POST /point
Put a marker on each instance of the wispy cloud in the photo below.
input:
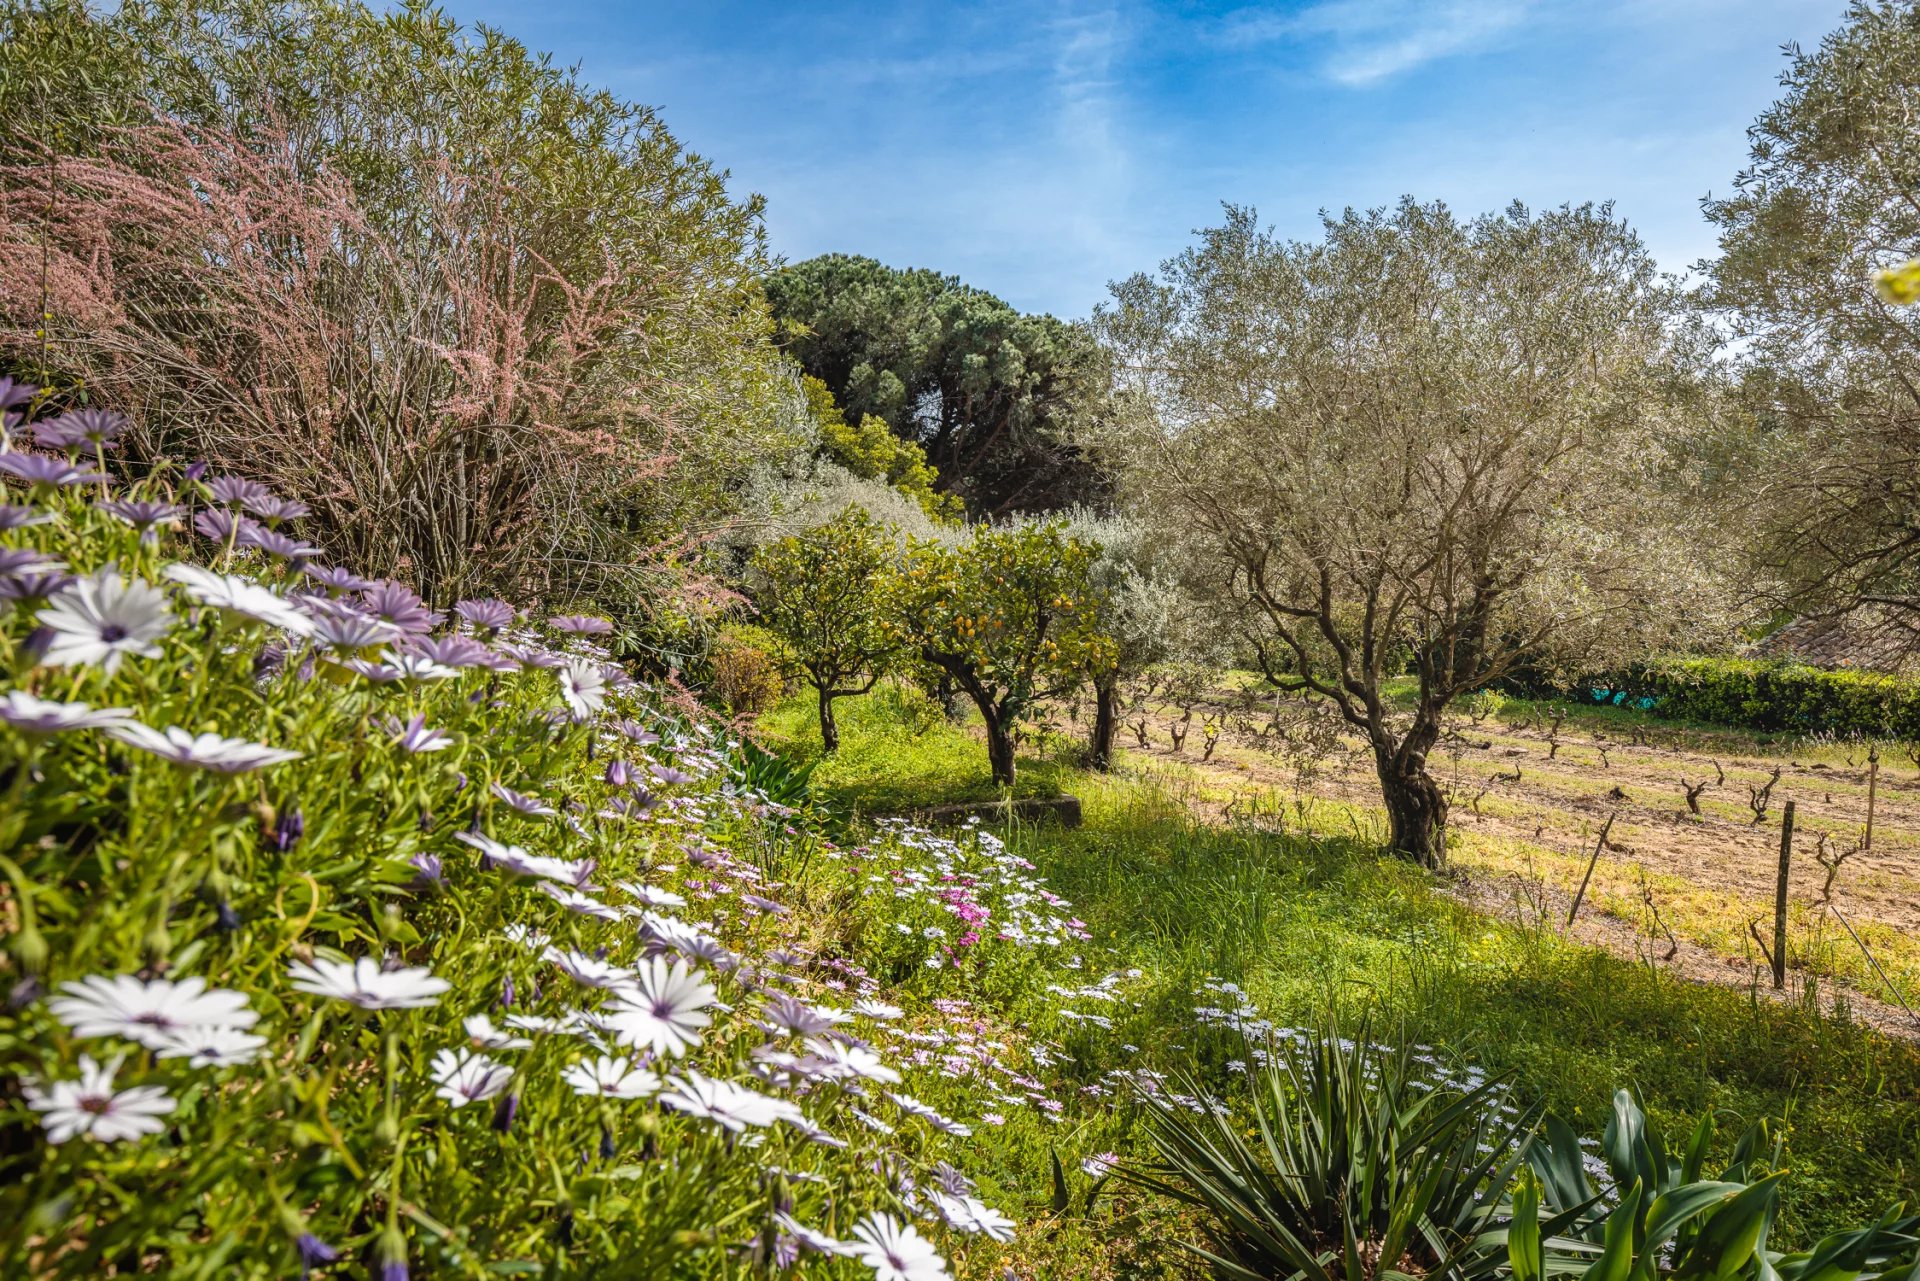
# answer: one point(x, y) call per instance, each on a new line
point(1368, 41)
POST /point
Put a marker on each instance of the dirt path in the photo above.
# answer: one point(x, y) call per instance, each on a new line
point(1671, 887)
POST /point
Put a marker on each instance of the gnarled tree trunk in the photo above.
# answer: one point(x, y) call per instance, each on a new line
point(1416, 807)
point(1106, 720)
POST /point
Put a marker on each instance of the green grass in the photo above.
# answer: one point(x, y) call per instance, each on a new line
point(1308, 926)
point(898, 752)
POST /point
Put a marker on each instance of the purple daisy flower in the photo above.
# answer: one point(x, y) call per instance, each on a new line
point(147, 517)
point(453, 651)
point(237, 491)
point(400, 605)
point(16, 562)
point(415, 737)
point(96, 427)
point(16, 517)
point(42, 472)
point(637, 732)
point(429, 872)
point(344, 630)
point(581, 625)
point(14, 393)
point(28, 588)
point(525, 804)
point(485, 615)
point(274, 509)
point(668, 776)
point(533, 655)
point(335, 579)
point(221, 526)
point(276, 544)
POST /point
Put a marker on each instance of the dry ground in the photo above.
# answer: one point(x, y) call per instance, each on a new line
point(1673, 888)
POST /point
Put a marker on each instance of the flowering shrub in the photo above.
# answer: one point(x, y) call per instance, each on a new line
point(347, 930)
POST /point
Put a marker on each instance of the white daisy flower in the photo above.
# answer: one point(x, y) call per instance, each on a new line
point(40, 717)
point(583, 687)
point(587, 970)
point(784, 1013)
point(662, 1008)
point(611, 1077)
point(147, 1011)
point(202, 751)
point(232, 594)
point(877, 1010)
point(839, 1061)
point(212, 1046)
point(970, 1214)
point(912, 1106)
point(484, 1034)
point(539, 1023)
point(516, 861)
point(525, 935)
point(103, 618)
point(809, 1238)
point(91, 1107)
point(649, 895)
point(732, 1106)
point(416, 667)
point(466, 1078)
point(366, 985)
point(577, 903)
point(895, 1251)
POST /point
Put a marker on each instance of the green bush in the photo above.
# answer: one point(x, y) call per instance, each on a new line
point(1778, 697)
point(746, 664)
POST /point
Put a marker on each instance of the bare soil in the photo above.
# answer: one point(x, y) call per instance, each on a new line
point(1683, 891)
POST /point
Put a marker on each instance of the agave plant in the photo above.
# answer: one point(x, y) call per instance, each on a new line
point(1661, 1217)
point(775, 777)
point(1352, 1165)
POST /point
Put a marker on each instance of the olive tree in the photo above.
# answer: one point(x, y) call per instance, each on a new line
point(1009, 616)
point(1142, 616)
point(1830, 368)
point(1419, 443)
point(821, 591)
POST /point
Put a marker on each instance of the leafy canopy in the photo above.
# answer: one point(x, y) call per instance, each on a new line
point(994, 397)
point(822, 591)
point(1830, 366)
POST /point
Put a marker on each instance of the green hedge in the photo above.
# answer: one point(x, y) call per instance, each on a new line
point(1753, 694)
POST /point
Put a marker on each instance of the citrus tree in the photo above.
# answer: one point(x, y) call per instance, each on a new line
point(1010, 616)
point(821, 591)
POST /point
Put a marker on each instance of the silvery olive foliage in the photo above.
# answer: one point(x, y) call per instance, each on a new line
point(1422, 443)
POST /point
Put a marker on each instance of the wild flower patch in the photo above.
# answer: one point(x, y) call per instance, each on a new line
point(343, 928)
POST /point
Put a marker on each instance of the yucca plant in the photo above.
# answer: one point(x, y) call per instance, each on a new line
point(1347, 1163)
point(1661, 1217)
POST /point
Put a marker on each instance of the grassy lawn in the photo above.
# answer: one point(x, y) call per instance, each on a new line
point(898, 753)
point(1314, 925)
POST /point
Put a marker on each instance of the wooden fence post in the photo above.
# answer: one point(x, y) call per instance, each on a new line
point(1780, 900)
point(1873, 783)
point(1597, 847)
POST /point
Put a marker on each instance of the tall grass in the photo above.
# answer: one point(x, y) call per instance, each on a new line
point(1312, 926)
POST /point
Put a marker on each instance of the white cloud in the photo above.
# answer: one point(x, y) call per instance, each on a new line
point(1368, 41)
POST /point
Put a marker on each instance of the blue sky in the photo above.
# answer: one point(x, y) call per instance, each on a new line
point(1042, 149)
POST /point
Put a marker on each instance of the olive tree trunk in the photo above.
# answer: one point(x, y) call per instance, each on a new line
point(1106, 721)
point(1416, 807)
